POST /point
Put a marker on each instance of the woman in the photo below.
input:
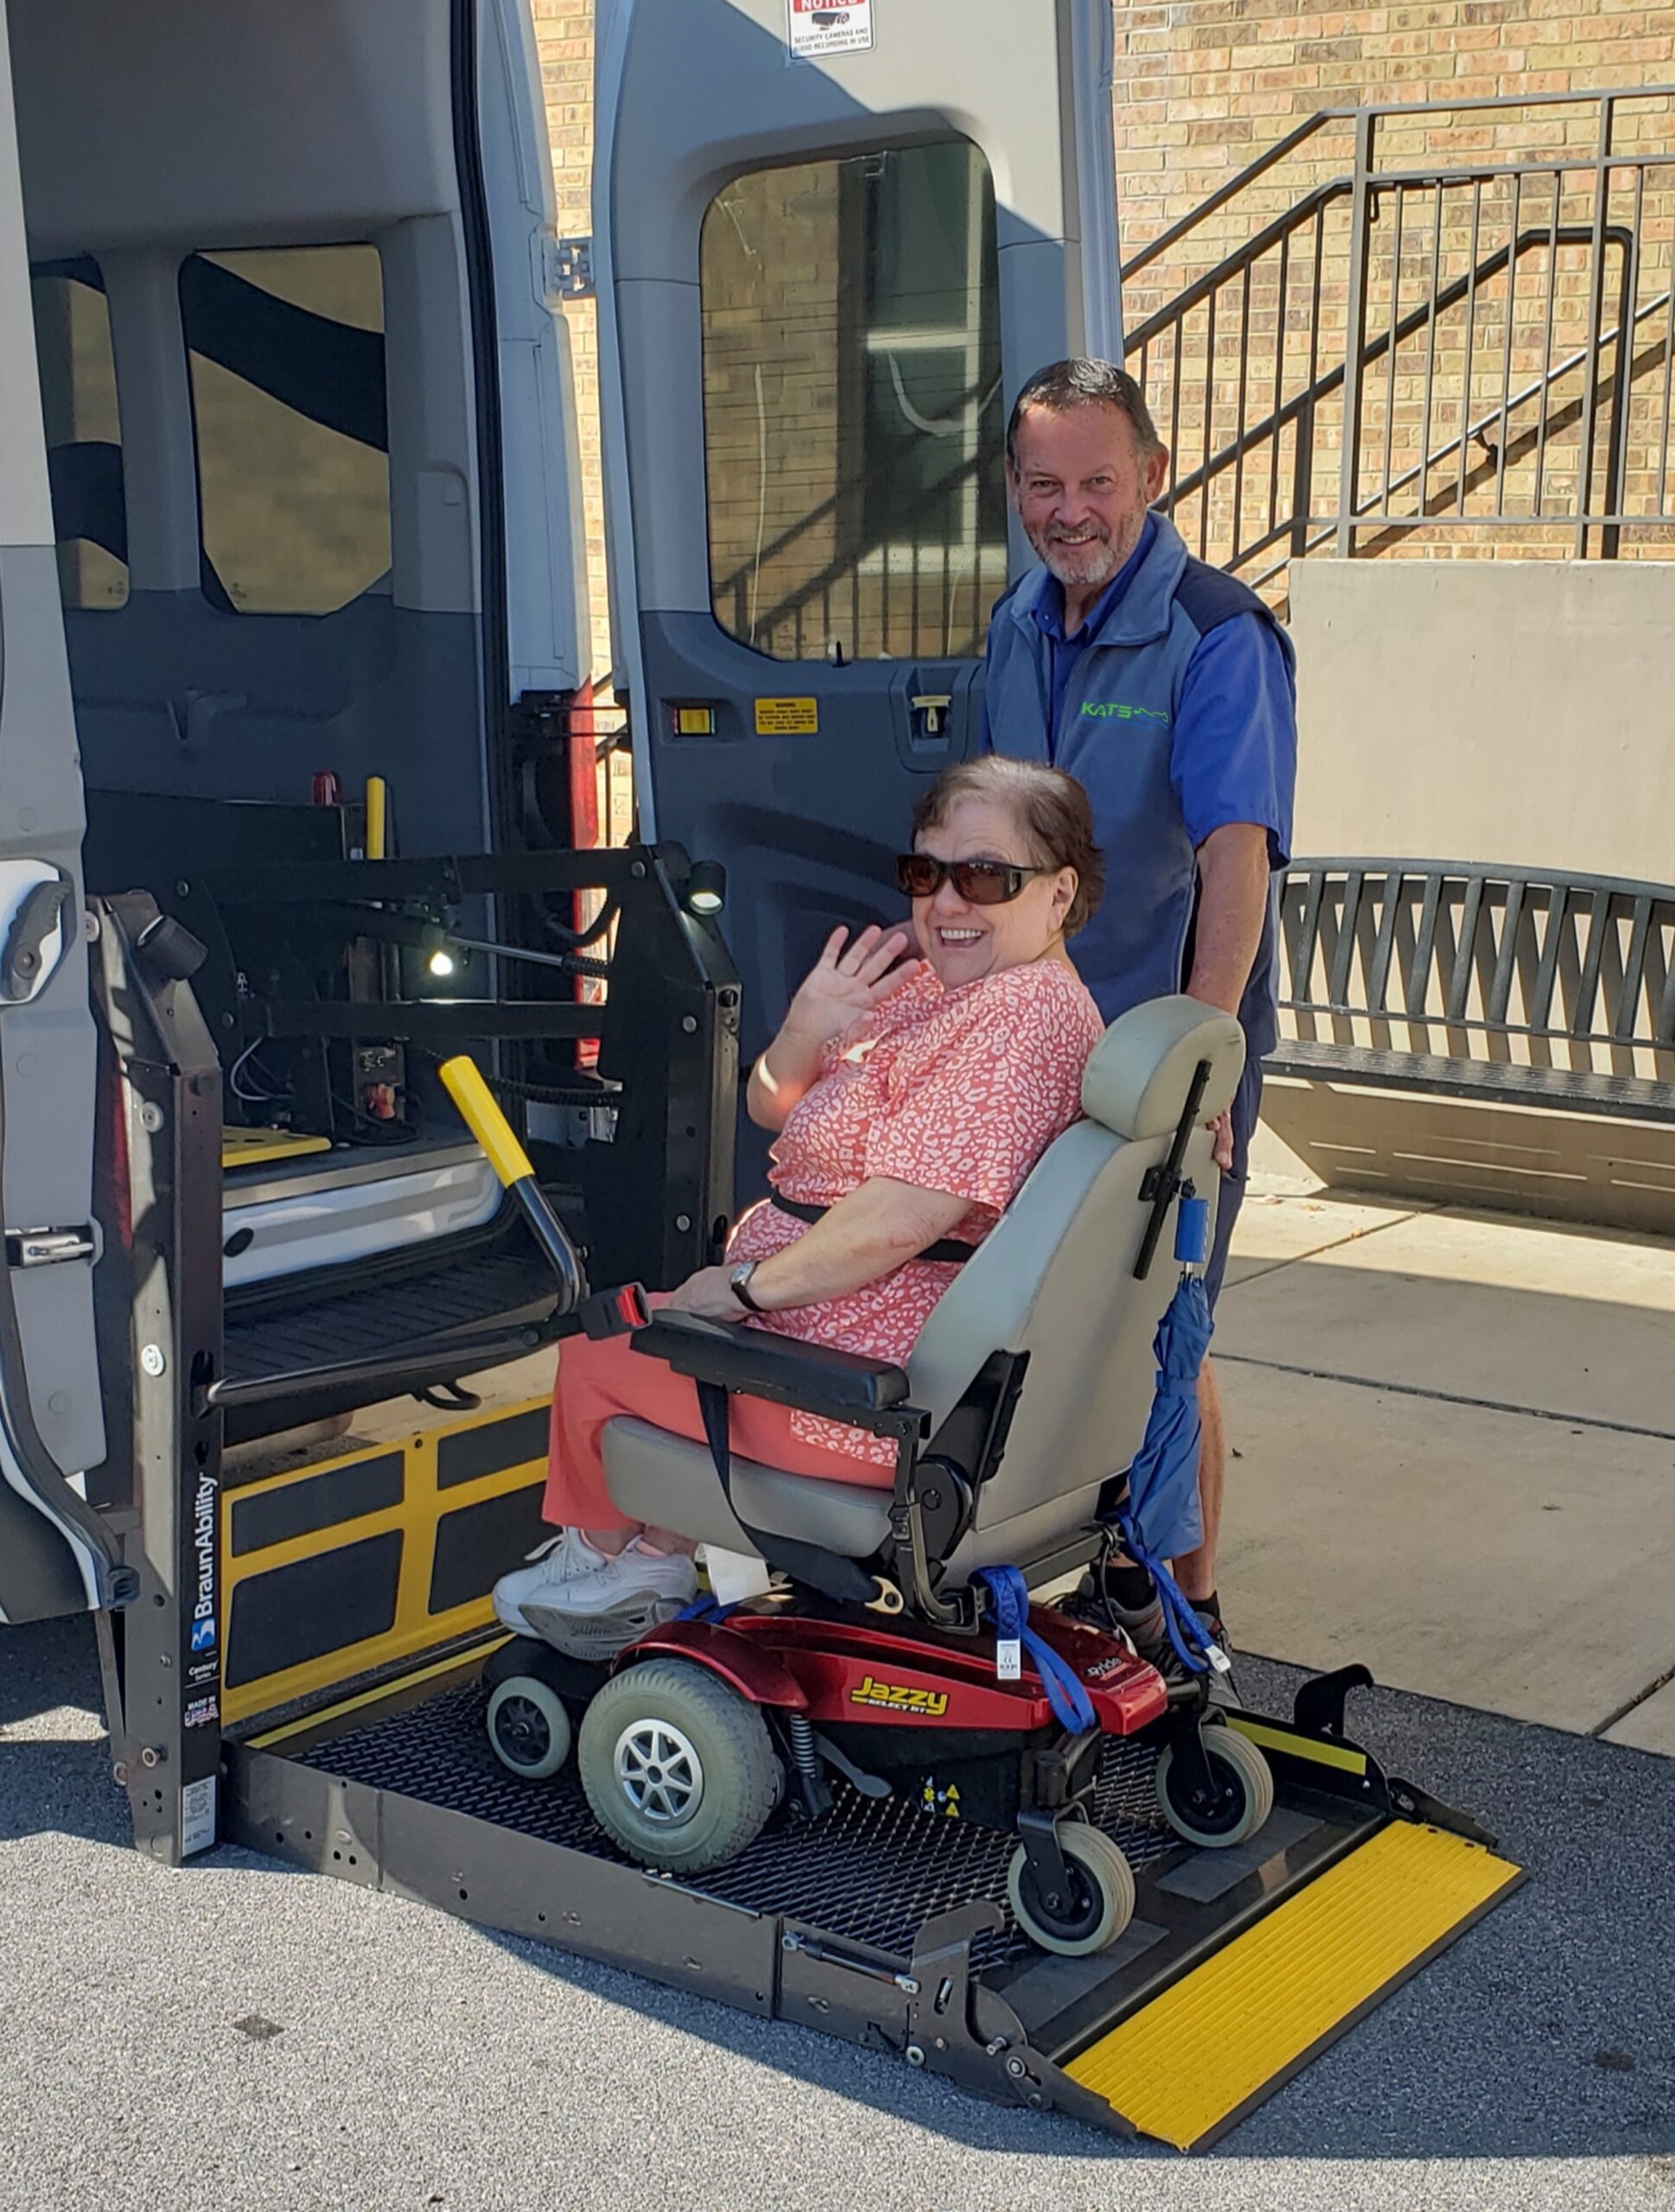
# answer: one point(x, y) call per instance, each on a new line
point(911, 1098)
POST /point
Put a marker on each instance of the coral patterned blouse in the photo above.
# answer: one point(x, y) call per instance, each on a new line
point(960, 1092)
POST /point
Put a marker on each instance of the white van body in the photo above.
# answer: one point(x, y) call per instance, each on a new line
point(290, 503)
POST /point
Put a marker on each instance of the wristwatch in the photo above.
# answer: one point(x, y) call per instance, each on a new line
point(739, 1283)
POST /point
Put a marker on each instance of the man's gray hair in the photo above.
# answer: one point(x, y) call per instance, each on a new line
point(1083, 383)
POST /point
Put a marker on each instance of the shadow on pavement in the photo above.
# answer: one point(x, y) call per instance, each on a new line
point(1547, 2031)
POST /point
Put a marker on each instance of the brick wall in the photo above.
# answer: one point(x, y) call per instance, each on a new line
point(1202, 86)
point(774, 433)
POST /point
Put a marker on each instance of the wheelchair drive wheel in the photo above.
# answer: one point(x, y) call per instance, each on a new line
point(528, 1727)
point(679, 1769)
point(1242, 1798)
point(1101, 1903)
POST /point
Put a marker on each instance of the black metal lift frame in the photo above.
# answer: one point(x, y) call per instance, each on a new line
point(885, 1922)
point(653, 1194)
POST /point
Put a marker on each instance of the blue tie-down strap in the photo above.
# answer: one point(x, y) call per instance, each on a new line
point(1009, 1604)
point(706, 1606)
point(1195, 1647)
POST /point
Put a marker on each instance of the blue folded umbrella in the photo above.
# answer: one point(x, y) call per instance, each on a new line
point(1162, 1483)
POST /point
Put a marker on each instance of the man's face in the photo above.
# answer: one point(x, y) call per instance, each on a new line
point(1080, 491)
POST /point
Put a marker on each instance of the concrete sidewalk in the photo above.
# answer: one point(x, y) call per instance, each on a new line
point(1457, 1456)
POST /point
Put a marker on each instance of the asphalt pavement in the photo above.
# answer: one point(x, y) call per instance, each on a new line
point(240, 2035)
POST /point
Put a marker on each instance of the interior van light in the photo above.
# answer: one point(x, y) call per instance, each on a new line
point(441, 963)
point(706, 887)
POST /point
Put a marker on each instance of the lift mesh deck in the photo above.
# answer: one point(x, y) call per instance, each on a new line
point(828, 1874)
point(1238, 1966)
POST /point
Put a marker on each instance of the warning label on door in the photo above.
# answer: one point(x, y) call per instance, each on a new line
point(787, 718)
point(815, 28)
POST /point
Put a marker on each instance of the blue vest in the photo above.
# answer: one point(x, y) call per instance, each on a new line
point(1115, 735)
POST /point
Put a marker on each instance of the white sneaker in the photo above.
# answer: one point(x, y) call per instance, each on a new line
point(637, 1571)
point(597, 1615)
point(563, 1559)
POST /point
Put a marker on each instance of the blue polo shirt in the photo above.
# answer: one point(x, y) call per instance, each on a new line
point(1174, 705)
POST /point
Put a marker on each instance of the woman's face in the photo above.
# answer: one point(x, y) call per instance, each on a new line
point(963, 942)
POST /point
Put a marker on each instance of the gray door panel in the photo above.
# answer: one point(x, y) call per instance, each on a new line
point(58, 1555)
point(821, 283)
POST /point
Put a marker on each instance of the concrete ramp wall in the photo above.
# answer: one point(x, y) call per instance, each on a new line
point(1517, 711)
point(1520, 712)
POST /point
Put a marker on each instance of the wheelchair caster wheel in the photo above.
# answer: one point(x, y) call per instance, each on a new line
point(1243, 1791)
point(1099, 1907)
point(679, 1769)
point(528, 1727)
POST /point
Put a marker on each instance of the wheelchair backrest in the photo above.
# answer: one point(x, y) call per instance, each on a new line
point(1056, 1279)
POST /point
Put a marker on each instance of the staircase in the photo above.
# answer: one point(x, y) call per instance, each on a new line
point(1455, 357)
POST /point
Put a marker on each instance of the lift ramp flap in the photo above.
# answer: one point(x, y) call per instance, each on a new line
point(886, 1925)
point(1189, 2065)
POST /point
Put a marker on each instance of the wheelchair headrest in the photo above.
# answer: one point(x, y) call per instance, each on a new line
point(1142, 1068)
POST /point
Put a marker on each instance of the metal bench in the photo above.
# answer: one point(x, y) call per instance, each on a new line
point(1515, 986)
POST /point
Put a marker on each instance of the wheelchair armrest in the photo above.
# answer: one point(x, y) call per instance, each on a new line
point(814, 1378)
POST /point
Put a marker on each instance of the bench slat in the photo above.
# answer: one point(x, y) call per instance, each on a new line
point(1465, 949)
point(1633, 970)
point(1666, 1011)
point(1425, 943)
point(1500, 993)
point(1344, 953)
point(1377, 982)
point(1540, 1009)
point(1599, 924)
point(1302, 958)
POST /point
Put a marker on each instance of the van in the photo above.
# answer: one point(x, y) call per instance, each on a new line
point(296, 741)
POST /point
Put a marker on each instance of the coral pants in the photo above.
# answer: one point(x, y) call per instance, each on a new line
point(602, 1380)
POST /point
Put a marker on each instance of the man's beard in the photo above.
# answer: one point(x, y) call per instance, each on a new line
point(1089, 564)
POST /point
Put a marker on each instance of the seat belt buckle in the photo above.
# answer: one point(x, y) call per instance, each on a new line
point(614, 1312)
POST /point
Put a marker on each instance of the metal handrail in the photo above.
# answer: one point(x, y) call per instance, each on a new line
point(1379, 195)
point(1450, 296)
point(1218, 199)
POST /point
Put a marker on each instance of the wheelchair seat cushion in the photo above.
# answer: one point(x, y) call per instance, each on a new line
point(669, 1483)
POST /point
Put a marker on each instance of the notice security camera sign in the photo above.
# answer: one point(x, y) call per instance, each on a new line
point(817, 27)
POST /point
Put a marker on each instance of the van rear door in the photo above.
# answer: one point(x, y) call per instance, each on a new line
point(56, 1555)
point(831, 241)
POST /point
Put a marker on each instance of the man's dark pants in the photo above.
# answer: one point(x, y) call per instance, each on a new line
point(1248, 1107)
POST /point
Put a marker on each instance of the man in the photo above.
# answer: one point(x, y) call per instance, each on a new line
point(1168, 688)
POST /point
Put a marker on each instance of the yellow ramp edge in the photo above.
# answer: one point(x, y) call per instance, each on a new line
point(1195, 2059)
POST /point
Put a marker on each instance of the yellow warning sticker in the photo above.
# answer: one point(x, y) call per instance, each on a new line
point(787, 718)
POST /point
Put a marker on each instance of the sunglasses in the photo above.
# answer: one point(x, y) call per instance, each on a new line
point(979, 883)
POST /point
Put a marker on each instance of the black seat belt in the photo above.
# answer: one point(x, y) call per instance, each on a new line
point(829, 1572)
point(947, 1251)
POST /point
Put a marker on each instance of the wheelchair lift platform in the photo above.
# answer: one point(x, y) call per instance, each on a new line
point(885, 1922)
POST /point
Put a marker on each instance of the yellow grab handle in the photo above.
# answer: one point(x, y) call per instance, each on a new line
point(482, 1117)
point(378, 819)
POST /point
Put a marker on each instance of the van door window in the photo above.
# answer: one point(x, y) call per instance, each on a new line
point(853, 424)
point(286, 347)
point(84, 431)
